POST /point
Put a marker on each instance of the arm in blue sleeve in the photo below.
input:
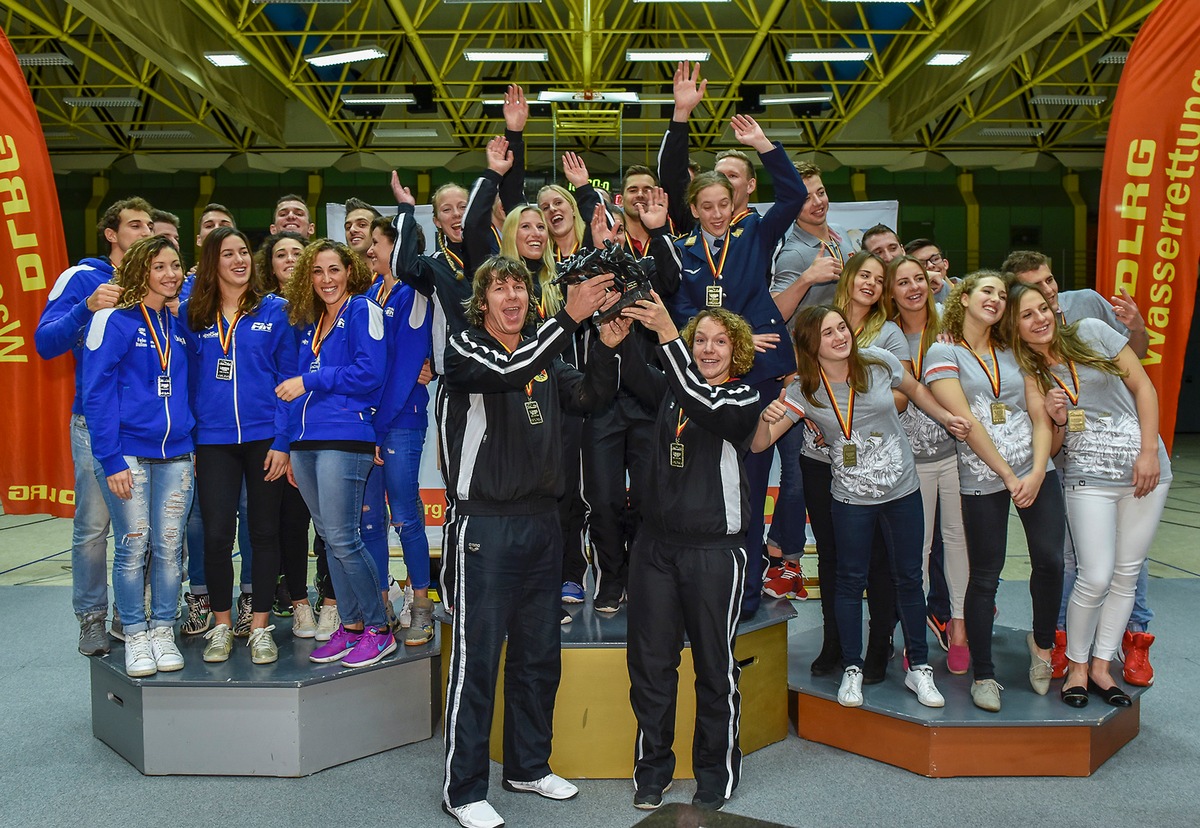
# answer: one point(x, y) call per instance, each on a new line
point(287, 365)
point(64, 319)
point(106, 347)
point(790, 194)
point(368, 354)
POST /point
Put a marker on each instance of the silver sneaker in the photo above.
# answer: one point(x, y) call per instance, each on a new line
point(139, 657)
point(263, 649)
point(220, 644)
point(166, 654)
point(421, 629)
point(92, 638)
point(304, 623)
point(328, 622)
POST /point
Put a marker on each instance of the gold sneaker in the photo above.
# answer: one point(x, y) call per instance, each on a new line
point(220, 643)
point(262, 646)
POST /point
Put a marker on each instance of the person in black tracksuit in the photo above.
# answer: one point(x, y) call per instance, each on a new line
point(687, 568)
point(505, 398)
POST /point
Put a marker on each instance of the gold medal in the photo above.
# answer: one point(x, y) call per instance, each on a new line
point(1076, 420)
point(712, 296)
point(999, 413)
point(535, 413)
point(849, 455)
point(677, 455)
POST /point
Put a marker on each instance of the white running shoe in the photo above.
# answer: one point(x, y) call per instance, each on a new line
point(551, 786)
point(166, 655)
point(920, 681)
point(328, 622)
point(475, 815)
point(850, 693)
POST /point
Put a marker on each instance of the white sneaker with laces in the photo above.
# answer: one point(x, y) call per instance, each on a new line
point(304, 623)
point(850, 693)
point(475, 815)
point(166, 655)
point(920, 681)
point(551, 786)
point(139, 656)
point(328, 622)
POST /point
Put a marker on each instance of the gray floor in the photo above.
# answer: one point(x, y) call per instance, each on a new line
point(54, 773)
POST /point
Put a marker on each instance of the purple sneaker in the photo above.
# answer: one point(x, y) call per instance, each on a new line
point(337, 647)
point(374, 644)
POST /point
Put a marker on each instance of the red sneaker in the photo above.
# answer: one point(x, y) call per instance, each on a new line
point(1136, 648)
point(1058, 658)
point(787, 583)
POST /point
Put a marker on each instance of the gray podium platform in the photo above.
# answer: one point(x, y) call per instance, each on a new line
point(290, 718)
point(1032, 735)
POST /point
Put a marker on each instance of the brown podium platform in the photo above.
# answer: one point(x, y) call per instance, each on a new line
point(1032, 735)
point(594, 727)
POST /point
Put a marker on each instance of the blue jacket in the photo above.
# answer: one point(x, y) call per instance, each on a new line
point(747, 266)
point(408, 324)
point(65, 318)
point(125, 414)
point(244, 407)
point(343, 384)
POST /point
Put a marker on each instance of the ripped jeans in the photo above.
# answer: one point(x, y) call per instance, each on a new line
point(151, 522)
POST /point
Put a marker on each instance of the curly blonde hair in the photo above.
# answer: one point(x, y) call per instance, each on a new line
point(954, 312)
point(741, 337)
point(133, 273)
point(302, 298)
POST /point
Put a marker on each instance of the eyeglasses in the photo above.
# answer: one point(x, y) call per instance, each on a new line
point(933, 261)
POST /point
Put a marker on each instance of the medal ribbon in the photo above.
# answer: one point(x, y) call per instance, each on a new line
point(846, 422)
point(833, 249)
point(558, 256)
point(631, 246)
point(995, 381)
point(1072, 394)
point(740, 216)
point(528, 385)
point(919, 358)
point(226, 338)
point(384, 292)
point(680, 422)
point(164, 351)
point(319, 338)
point(456, 262)
point(716, 268)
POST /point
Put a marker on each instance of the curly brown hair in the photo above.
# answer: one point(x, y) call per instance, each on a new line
point(497, 269)
point(954, 311)
point(264, 261)
point(741, 337)
point(302, 299)
point(133, 273)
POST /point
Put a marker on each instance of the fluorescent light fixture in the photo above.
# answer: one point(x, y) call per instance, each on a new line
point(301, 2)
point(864, 2)
point(947, 58)
point(343, 56)
point(225, 59)
point(427, 132)
point(493, 2)
point(794, 99)
point(827, 55)
point(103, 100)
point(377, 100)
point(1114, 57)
point(666, 55)
point(564, 96)
point(159, 133)
point(59, 135)
point(1011, 132)
point(507, 55)
point(1068, 100)
point(656, 99)
point(705, 2)
point(45, 59)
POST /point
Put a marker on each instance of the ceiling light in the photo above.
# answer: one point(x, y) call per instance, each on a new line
point(947, 58)
point(666, 55)
point(299, 2)
point(1114, 57)
point(225, 59)
point(160, 133)
point(827, 55)
point(508, 55)
point(481, 2)
point(343, 56)
point(656, 99)
point(1068, 100)
point(707, 2)
point(377, 100)
point(45, 59)
point(912, 2)
point(794, 99)
point(429, 132)
point(103, 100)
point(563, 96)
point(1011, 132)
point(60, 135)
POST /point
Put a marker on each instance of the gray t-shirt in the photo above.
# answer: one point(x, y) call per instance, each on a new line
point(1087, 304)
point(796, 255)
point(1102, 454)
point(1013, 438)
point(929, 440)
point(882, 467)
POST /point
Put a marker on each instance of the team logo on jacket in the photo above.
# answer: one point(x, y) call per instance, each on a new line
point(541, 377)
point(262, 326)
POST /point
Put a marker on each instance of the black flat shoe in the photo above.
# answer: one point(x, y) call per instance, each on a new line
point(1075, 696)
point(875, 664)
point(1113, 695)
point(828, 661)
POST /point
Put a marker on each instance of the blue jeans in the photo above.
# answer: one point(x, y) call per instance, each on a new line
point(401, 454)
point(902, 524)
point(151, 523)
point(374, 526)
point(787, 524)
point(332, 483)
point(89, 532)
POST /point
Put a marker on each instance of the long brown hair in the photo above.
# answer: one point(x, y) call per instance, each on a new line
point(264, 260)
point(806, 337)
point(930, 331)
point(133, 273)
point(876, 316)
point(205, 302)
point(303, 299)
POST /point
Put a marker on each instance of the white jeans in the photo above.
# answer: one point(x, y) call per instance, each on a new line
point(939, 484)
point(1112, 531)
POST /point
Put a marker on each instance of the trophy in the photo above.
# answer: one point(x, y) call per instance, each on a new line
point(630, 276)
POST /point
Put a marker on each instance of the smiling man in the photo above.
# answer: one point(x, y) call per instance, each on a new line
point(291, 214)
point(359, 216)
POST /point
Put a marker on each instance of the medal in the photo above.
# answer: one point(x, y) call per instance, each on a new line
point(849, 455)
point(677, 455)
point(164, 385)
point(224, 369)
point(1076, 417)
point(999, 413)
point(712, 296)
point(534, 413)
point(1076, 420)
point(163, 349)
point(849, 450)
point(225, 340)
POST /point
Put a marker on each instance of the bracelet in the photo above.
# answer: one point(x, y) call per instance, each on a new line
point(1059, 425)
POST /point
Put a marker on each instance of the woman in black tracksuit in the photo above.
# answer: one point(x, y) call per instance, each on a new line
point(687, 568)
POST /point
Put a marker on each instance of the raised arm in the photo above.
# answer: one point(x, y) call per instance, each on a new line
point(516, 114)
point(673, 153)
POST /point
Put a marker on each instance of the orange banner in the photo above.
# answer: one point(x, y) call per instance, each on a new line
point(1148, 239)
point(36, 474)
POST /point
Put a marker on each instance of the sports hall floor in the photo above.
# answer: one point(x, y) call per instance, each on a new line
point(54, 773)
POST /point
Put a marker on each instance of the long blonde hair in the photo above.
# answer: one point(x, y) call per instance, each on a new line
point(930, 331)
point(552, 298)
point(876, 316)
point(576, 219)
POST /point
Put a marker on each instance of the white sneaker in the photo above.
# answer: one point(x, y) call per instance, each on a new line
point(920, 681)
point(304, 623)
point(405, 614)
point(475, 815)
point(139, 655)
point(328, 622)
point(166, 655)
point(850, 693)
point(551, 786)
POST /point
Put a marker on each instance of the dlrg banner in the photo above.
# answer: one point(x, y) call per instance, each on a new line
point(1148, 239)
point(35, 456)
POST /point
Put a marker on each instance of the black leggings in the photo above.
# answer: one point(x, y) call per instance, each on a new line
point(293, 542)
point(220, 470)
point(985, 519)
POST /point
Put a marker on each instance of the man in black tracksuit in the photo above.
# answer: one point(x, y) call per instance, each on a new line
point(504, 406)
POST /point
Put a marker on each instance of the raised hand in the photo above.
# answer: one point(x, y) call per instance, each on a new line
point(654, 214)
point(402, 194)
point(652, 313)
point(748, 132)
point(615, 330)
point(499, 159)
point(574, 169)
point(776, 410)
point(601, 231)
point(516, 108)
point(688, 90)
